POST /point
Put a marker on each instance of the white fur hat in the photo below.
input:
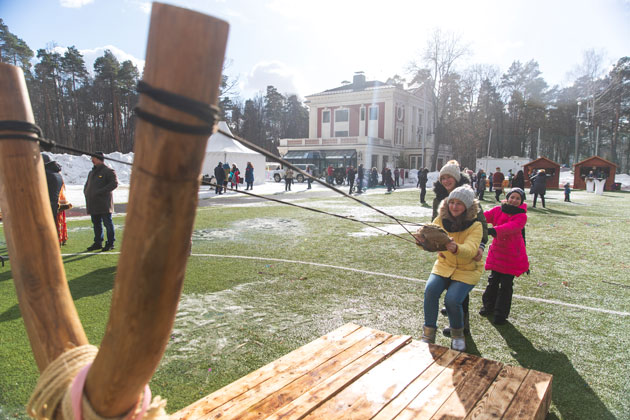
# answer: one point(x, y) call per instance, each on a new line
point(465, 194)
point(451, 170)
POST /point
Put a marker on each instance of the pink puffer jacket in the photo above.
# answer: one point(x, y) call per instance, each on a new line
point(507, 253)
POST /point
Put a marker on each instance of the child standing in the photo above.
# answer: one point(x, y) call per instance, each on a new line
point(567, 192)
point(455, 269)
point(507, 256)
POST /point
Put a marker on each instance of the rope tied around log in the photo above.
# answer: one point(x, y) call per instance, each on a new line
point(201, 110)
point(60, 386)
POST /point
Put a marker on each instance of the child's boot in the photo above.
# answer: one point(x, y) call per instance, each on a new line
point(458, 342)
point(428, 335)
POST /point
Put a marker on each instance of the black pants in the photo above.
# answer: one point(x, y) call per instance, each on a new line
point(498, 294)
point(567, 197)
point(287, 184)
point(542, 198)
point(498, 193)
point(480, 193)
point(423, 193)
point(351, 183)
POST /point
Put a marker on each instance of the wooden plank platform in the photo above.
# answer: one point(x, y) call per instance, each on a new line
point(356, 372)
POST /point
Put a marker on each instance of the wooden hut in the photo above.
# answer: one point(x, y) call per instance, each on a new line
point(601, 169)
point(552, 169)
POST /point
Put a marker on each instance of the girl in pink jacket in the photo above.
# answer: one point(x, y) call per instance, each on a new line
point(507, 256)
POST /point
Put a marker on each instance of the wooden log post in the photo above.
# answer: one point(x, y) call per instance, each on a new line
point(50, 318)
point(185, 54)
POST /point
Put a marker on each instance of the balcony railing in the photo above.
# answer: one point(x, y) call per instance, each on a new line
point(335, 141)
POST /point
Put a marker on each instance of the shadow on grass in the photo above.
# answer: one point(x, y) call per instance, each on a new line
point(571, 394)
point(548, 210)
point(92, 284)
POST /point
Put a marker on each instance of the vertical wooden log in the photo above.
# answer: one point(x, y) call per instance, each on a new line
point(185, 56)
point(51, 320)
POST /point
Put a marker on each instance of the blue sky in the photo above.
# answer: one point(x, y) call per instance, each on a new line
point(305, 47)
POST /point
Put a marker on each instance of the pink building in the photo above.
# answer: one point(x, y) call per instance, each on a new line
point(370, 122)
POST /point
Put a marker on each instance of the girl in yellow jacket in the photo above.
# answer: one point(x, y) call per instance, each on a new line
point(455, 269)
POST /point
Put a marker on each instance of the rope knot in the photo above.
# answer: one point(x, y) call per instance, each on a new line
point(61, 386)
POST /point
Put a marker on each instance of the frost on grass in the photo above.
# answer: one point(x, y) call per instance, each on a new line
point(242, 229)
point(215, 324)
point(368, 215)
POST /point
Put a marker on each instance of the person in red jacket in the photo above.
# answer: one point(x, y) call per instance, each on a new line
point(507, 256)
point(497, 183)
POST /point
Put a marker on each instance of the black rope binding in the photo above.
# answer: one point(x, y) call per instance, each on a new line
point(203, 111)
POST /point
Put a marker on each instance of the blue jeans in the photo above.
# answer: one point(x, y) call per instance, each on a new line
point(455, 295)
point(98, 229)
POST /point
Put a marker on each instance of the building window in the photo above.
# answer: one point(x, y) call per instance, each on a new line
point(362, 114)
point(326, 116)
point(399, 135)
point(373, 113)
point(341, 115)
point(341, 134)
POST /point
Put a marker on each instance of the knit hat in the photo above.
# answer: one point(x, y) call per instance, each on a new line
point(465, 194)
point(451, 170)
point(46, 158)
point(99, 155)
point(518, 191)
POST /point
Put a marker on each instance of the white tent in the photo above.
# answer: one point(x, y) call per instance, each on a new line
point(222, 148)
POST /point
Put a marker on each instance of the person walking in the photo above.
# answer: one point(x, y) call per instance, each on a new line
point(351, 174)
point(62, 226)
point(519, 180)
point(423, 177)
point(288, 179)
point(309, 171)
point(481, 184)
point(567, 192)
point(455, 270)
point(219, 178)
point(99, 200)
point(360, 176)
point(330, 172)
point(539, 186)
point(54, 181)
point(226, 177)
point(235, 176)
point(497, 183)
point(507, 256)
point(249, 176)
point(388, 180)
point(396, 177)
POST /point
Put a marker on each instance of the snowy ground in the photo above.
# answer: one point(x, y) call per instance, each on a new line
point(75, 169)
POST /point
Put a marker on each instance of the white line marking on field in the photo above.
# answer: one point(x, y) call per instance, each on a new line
point(374, 273)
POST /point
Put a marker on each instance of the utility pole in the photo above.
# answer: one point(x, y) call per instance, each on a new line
point(488, 155)
point(577, 128)
point(538, 146)
point(596, 140)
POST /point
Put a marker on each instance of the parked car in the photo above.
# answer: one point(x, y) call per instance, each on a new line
point(278, 174)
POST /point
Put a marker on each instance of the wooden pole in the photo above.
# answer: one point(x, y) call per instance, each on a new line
point(185, 56)
point(50, 318)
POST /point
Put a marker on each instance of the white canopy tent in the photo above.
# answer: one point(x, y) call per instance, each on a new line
point(222, 148)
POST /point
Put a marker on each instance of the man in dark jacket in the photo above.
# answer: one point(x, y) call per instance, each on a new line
point(54, 182)
point(351, 174)
point(101, 181)
point(423, 176)
point(497, 183)
point(219, 178)
point(360, 175)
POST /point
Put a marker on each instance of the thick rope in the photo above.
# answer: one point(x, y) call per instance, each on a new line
point(54, 389)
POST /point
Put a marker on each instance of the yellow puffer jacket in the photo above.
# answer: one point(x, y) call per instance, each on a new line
point(460, 266)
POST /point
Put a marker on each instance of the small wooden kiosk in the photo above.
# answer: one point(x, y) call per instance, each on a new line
point(552, 169)
point(601, 168)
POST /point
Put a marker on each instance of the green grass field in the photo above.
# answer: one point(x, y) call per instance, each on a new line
point(570, 317)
